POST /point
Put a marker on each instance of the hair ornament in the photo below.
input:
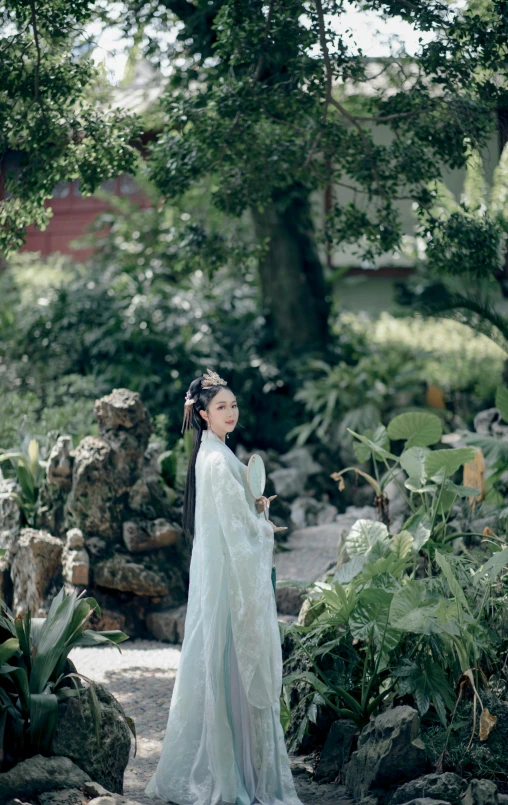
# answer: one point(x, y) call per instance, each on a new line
point(212, 379)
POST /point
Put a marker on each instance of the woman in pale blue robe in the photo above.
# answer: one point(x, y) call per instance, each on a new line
point(224, 742)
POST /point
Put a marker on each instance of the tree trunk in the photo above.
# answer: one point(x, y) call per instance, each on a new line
point(291, 275)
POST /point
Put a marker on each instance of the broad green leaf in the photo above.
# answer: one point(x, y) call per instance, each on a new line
point(448, 460)
point(8, 648)
point(378, 436)
point(419, 526)
point(417, 428)
point(502, 401)
point(461, 491)
point(452, 580)
point(415, 485)
point(43, 718)
point(363, 535)
point(402, 543)
point(378, 451)
point(349, 570)
point(492, 568)
point(412, 462)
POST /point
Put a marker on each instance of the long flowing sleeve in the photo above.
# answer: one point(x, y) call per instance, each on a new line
point(248, 541)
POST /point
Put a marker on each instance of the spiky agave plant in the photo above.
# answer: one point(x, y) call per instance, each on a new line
point(36, 673)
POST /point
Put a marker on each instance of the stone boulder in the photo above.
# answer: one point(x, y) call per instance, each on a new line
point(35, 563)
point(75, 559)
point(288, 482)
point(125, 424)
point(120, 572)
point(92, 503)
point(148, 535)
point(307, 511)
point(481, 792)
point(68, 796)
point(10, 521)
point(75, 738)
point(448, 787)
point(38, 774)
point(336, 750)
point(300, 458)
point(389, 752)
point(59, 468)
point(168, 625)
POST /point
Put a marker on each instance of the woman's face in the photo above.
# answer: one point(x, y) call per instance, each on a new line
point(222, 413)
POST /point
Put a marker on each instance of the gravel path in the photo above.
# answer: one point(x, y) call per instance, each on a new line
point(142, 677)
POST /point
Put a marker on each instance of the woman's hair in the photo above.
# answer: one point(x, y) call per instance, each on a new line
point(203, 397)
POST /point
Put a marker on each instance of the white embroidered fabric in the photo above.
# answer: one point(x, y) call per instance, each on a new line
point(224, 742)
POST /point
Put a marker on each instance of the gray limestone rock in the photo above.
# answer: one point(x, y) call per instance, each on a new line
point(120, 572)
point(148, 535)
point(481, 792)
point(91, 504)
point(307, 511)
point(39, 774)
point(389, 751)
point(59, 468)
point(75, 559)
point(301, 459)
point(68, 796)
point(168, 625)
point(447, 786)
point(75, 738)
point(35, 562)
point(9, 512)
point(288, 482)
point(336, 750)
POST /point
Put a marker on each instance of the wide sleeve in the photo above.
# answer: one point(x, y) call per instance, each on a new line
point(248, 541)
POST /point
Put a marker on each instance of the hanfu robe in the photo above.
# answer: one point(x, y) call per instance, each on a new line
point(224, 742)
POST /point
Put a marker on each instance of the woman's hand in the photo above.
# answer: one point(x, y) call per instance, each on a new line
point(263, 503)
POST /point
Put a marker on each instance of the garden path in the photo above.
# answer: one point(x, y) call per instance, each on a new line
point(142, 679)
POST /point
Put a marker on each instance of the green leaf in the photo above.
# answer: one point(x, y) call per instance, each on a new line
point(363, 535)
point(8, 648)
point(492, 568)
point(378, 451)
point(378, 436)
point(412, 462)
point(402, 543)
point(502, 402)
point(419, 526)
point(43, 719)
point(417, 428)
point(453, 582)
point(448, 460)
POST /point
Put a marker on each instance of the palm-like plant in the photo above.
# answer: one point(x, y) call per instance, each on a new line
point(36, 673)
point(29, 469)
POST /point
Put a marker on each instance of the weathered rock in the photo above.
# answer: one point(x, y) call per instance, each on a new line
point(481, 792)
point(9, 512)
point(96, 547)
point(109, 621)
point(36, 557)
point(75, 559)
point(447, 786)
point(59, 468)
point(336, 750)
point(307, 511)
point(94, 789)
point(125, 424)
point(369, 801)
point(168, 625)
point(147, 535)
point(91, 504)
point(313, 551)
point(75, 738)
point(68, 796)
point(288, 482)
point(39, 774)
point(112, 800)
point(389, 751)
point(121, 573)
point(300, 458)
point(426, 801)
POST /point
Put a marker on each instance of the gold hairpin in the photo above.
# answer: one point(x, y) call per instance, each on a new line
point(212, 379)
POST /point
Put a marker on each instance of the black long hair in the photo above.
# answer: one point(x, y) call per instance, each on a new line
point(203, 397)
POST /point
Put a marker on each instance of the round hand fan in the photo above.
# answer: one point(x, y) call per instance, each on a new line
point(256, 475)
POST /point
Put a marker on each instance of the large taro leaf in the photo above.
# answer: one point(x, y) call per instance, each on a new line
point(364, 535)
point(417, 428)
point(418, 525)
point(402, 543)
point(377, 450)
point(411, 611)
point(453, 582)
point(370, 619)
point(412, 462)
point(427, 682)
point(448, 461)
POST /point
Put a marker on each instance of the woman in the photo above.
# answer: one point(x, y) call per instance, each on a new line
point(224, 742)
